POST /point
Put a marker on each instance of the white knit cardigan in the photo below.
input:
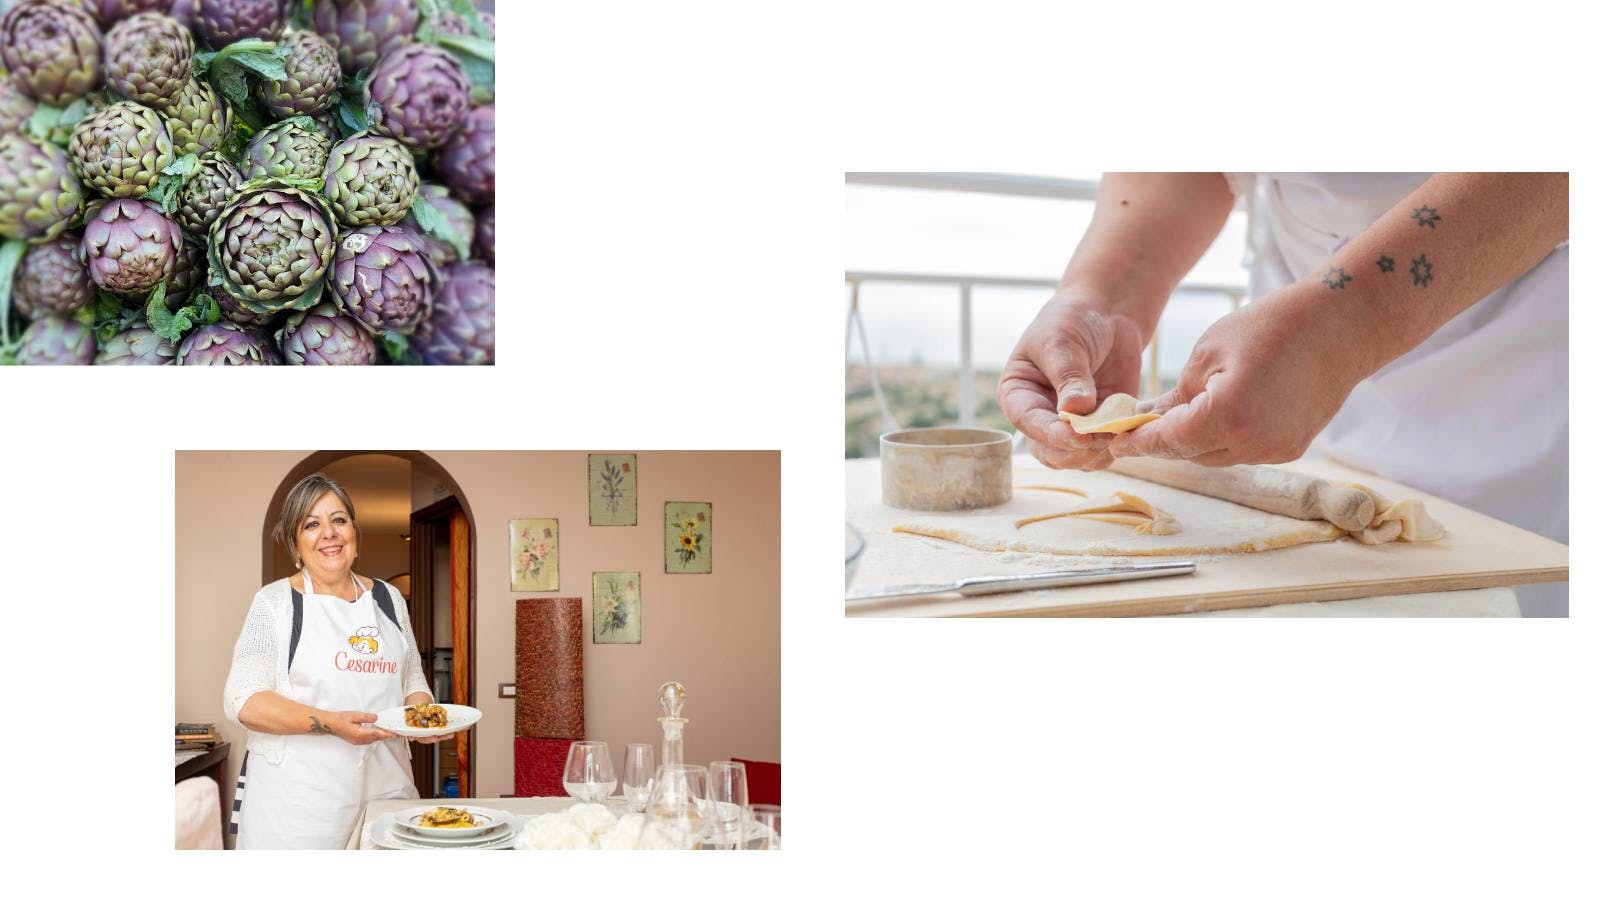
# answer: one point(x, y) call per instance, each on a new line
point(261, 659)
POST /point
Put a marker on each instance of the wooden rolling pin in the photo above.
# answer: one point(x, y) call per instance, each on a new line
point(1258, 487)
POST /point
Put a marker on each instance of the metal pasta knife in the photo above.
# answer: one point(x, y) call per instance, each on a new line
point(999, 584)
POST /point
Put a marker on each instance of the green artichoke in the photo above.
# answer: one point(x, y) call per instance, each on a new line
point(461, 330)
point(370, 180)
point(466, 163)
point(456, 222)
point(39, 193)
point(15, 106)
point(52, 49)
point(226, 344)
point(210, 188)
point(130, 246)
point(54, 341)
point(221, 22)
point(323, 336)
point(312, 85)
point(271, 246)
point(51, 281)
point(323, 124)
point(148, 59)
point(121, 150)
point(285, 150)
point(419, 95)
point(138, 346)
point(382, 276)
point(198, 118)
point(363, 30)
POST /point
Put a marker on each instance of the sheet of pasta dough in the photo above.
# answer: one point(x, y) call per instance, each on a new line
point(1210, 526)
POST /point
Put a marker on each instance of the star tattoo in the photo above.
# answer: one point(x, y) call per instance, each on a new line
point(1421, 271)
point(1386, 264)
point(1337, 279)
point(1425, 216)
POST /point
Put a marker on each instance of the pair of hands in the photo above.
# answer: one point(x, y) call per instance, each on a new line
point(353, 726)
point(1259, 386)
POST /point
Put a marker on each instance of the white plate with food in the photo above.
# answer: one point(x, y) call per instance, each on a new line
point(451, 822)
point(384, 832)
point(428, 719)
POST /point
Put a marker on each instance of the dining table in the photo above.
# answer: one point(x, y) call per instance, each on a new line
point(522, 806)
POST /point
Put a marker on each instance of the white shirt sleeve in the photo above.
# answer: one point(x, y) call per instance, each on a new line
point(255, 656)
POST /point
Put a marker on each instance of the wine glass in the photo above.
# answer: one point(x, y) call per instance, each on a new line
point(638, 775)
point(678, 814)
point(730, 796)
point(589, 776)
point(766, 830)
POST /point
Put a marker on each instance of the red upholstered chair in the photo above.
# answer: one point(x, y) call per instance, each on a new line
point(540, 763)
point(763, 777)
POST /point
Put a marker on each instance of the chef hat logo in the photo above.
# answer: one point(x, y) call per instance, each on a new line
point(365, 639)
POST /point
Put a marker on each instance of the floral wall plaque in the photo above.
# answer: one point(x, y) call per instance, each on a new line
point(616, 608)
point(613, 489)
point(533, 555)
point(688, 534)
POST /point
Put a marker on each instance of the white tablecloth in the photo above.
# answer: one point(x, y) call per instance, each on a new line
point(522, 806)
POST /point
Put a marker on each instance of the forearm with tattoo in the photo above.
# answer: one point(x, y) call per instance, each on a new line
point(318, 728)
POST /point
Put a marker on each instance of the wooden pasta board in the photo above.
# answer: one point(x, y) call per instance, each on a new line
point(1479, 552)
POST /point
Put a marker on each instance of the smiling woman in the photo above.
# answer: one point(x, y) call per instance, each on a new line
point(295, 683)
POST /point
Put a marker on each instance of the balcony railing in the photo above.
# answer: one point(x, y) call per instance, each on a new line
point(966, 390)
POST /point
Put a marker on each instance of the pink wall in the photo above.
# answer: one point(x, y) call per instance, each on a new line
point(716, 633)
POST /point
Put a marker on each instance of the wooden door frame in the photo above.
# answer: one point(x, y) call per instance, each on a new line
point(426, 524)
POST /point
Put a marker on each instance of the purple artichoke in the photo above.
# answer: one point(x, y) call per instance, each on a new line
point(485, 244)
point(187, 12)
point(467, 161)
point(226, 344)
point(382, 277)
point(370, 180)
point(235, 311)
point(198, 118)
point(419, 95)
point(461, 330)
point(121, 150)
point(312, 85)
point(457, 222)
point(110, 12)
point(271, 247)
point(15, 106)
point(39, 193)
point(202, 197)
point(54, 341)
point(148, 59)
point(51, 281)
point(322, 336)
point(363, 30)
point(52, 49)
point(130, 247)
point(221, 22)
point(138, 346)
point(188, 273)
point(285, 150)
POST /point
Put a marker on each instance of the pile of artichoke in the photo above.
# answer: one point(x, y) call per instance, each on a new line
point(246, 182)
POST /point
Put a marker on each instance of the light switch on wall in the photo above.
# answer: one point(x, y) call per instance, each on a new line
point(508, 691)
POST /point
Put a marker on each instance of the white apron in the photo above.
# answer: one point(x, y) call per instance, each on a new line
point(1477, 413)
point(350, 657)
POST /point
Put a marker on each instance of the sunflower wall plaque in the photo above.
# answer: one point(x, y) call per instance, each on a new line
point(613, 489)
point(616, 608)
point(688, 538)
point(534, 556)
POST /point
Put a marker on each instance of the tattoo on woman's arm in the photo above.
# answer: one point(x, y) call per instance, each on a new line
point(1425, 216)
point(1421, 271)
point(1337, 279)
point(1385, 263)
point(319, 728)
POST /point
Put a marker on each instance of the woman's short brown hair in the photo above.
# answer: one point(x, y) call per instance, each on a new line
point(298, 505)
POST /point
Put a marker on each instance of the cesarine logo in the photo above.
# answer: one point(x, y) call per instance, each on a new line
point(365, 640)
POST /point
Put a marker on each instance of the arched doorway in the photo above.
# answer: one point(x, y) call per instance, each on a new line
point(443, 609)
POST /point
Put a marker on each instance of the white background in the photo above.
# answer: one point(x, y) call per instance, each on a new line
point(672, 236)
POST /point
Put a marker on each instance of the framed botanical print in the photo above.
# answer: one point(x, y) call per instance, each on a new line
point(533, 555)
point(688, 537)
point(616, 608)
point(613, 489)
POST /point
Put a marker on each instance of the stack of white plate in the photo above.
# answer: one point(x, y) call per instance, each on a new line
point(492, 829)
